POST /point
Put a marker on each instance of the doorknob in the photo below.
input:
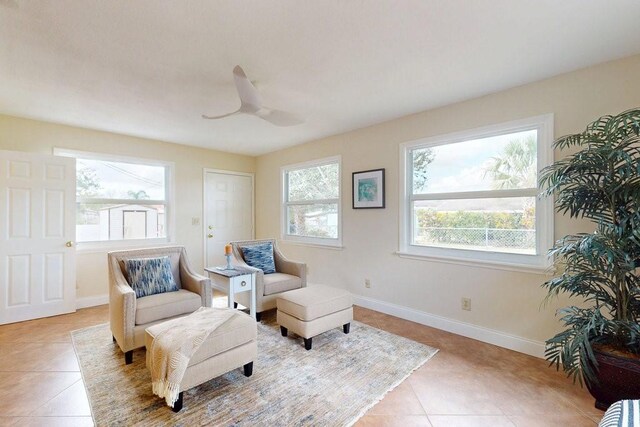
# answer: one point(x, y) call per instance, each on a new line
point(69, 244)
point(209, 235)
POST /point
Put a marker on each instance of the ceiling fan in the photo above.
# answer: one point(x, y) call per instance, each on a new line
point(251, 103)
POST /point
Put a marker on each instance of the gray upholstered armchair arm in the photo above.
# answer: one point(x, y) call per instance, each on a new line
point(122, 307)
point(283, 265)
point(195, 282)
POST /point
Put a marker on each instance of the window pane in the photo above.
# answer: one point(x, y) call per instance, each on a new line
point(494, 163)
point(315, 183)
point(100, 222)
point(498, 225)
point(319, 220)
point(118, 180)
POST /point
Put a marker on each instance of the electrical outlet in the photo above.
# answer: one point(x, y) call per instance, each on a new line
point(367, 283)
point(466, 304)
point(195, 221)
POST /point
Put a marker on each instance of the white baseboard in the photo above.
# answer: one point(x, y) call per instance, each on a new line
point(92, 301)
point(491, 336)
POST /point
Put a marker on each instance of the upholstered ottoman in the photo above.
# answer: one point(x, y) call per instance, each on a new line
point(313, 310)
point(231, 345)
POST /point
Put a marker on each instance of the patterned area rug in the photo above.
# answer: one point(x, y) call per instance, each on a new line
point(331, 385)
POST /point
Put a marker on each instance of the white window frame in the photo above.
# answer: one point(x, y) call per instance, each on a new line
point(500, 260)
point(169, 178)
point(284, 203)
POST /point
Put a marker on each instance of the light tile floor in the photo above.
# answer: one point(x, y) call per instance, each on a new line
point(468, 383)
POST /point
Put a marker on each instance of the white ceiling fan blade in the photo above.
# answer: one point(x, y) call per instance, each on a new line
point(220, 117)
point(246, 90)
point(279, 118)
point(251, 103)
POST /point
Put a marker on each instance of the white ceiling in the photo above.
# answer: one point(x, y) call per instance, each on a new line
point(150, 68)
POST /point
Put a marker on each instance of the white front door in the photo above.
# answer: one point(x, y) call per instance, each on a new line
point(228, 212)
point(37, 229)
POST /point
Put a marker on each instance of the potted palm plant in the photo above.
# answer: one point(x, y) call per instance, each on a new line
point(600, 181)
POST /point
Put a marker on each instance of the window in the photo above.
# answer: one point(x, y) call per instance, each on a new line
point(311, 210)
point(120, 198)
point(472, 196)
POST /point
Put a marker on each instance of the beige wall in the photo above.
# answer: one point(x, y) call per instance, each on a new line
point(505, 302)
point(39, 137)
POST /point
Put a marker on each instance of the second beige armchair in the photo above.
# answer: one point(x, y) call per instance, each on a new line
point(289, 275)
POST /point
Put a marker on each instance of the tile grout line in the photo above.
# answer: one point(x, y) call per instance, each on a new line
point(511, 420)
point(508, 417)
point(62, 391)
point(428, 417)
point(50, 416)
point(416, 394)
point(70, 342)
point(570, 401)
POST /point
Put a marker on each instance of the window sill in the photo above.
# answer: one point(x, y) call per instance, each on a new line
point(330, 246)
point(492, 265)
point(116, 245)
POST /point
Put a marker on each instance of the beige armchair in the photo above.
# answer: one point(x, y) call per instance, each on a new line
point(289, 275)
point(130, 316)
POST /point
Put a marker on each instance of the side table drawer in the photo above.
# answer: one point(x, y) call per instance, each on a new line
point(241, 283)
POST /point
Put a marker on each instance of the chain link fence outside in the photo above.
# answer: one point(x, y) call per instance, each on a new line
point(477, 237)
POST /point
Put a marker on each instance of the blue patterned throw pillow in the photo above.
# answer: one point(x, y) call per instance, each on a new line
point(149, 276)
point(260, 256)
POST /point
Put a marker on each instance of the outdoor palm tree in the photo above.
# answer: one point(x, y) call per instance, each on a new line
point(138, 195)
point(516, 166)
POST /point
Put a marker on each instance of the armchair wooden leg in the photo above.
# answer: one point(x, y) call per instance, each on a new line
point(177, 406)
point(308, 343)
point(128, 357)
point(235, 304)
point(284, 331)
point(113, 338)
point(345, 327)
point(258, 317)
point(248, 369)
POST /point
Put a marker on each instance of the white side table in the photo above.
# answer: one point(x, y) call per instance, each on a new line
point(234, 281)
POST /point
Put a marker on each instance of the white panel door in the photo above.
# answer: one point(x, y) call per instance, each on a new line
point(228, 201)
point(37, 229)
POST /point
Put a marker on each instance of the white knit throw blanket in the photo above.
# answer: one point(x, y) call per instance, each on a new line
point(176, 343)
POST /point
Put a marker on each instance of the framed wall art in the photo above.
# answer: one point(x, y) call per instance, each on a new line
point(368, 189)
